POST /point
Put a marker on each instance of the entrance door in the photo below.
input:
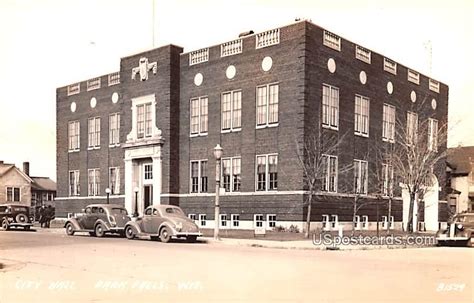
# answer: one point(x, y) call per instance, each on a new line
point(148, 195)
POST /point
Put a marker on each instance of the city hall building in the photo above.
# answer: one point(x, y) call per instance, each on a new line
point(146, 134)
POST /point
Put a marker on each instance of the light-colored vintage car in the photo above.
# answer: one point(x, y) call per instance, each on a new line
point(460, 230)
point(163, 222)
point(98, 220)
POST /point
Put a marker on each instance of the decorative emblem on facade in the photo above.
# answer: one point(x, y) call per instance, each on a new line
point(143, 68)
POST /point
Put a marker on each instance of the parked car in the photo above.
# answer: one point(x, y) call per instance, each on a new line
point(98, 220)
point(15, 216)
point(163, 222)
point(460, 230)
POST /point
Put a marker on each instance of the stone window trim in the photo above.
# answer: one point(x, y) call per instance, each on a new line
point(132, 137)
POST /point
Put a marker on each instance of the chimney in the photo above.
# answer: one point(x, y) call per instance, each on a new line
point(26, 168)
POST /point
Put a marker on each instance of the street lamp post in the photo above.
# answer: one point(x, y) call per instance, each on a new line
point(107, 192)
point(218, 155)
point(135, 213)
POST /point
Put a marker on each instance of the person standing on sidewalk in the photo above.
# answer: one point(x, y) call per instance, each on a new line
point(42, 212)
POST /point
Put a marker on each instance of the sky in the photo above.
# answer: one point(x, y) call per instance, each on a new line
point(45, 44)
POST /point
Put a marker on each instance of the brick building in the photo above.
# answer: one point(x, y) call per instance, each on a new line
point(148, 131)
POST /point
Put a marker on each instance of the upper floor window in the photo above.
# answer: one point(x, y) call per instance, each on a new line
point(360, 176)
point(267, 105)
point(114, 129)
point(74, 185)
point(267, 172)
point(388, 124)
point(144, 120)
point(94, 182)
point(433, 134)
point(412, 127)
point(199, 176)
point(330, 107)
point(331, 40)
point(361, 116)
point(148, 171)
point(232, 111)
point(231, 174)
point(94, 133)
point(13, 194)
point(413, 77)
point(363, 54)
point(114, 180)
point(267, 38)
point(329, 180)
point(389, 66)
point(73, 135)
point(387, 179)
point(199, 116)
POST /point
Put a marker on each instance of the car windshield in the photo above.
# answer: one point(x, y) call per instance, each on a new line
point(16, 208)
point(174, 211)
point(119, 211)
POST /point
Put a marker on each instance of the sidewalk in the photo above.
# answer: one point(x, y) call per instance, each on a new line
point(306, 244)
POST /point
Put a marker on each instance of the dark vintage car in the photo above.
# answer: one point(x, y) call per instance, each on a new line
point(460, 230)
point(99, 219)
point(163, 222)
point(15, 216)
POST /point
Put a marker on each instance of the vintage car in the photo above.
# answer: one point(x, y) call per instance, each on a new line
point(163, 222)
point(460, 230)
point(98, 220)
point(15, 216)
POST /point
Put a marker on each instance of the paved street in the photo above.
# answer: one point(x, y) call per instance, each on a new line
point(49, 267)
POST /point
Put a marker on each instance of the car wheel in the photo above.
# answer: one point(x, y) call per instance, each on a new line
point(5, 224)
point(21, 218)
point(165, 235)
point(191, 239)
point(69, 229)
point(129, 233)
point(99, 230)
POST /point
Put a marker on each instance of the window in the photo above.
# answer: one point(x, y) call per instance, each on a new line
point(361, 116)
point(74, 185)
point(267, 105)
point(325, 222)
point(433, 134)
point(148, 171)
point(434, 85)
point(94, 182)
point(94, 133)
point(144, 120)
point(267, 38)
point(231, 111)
point(331, 40)
point(114, 129)
point(267, 172)
point(199, 176)
point(235, 220)
point(388, 125)
point(199, 56)
point(413, 76)
point(199, 116)
point(330, 106)
point(389, 66)
point(258, 221)
point(384, 222)
point(192, 217)
point(202, 220)
point(365, 222)
point(73, 134)
point(387, 179)
point(357, 222)
point(223, 220)
point(114, 180)
point(362, 54)
point(360, 176)
point(334, 221)
point(231, 174)
point(271, 221)
point(13, 194)
point(329, 181)
point(412, 127)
